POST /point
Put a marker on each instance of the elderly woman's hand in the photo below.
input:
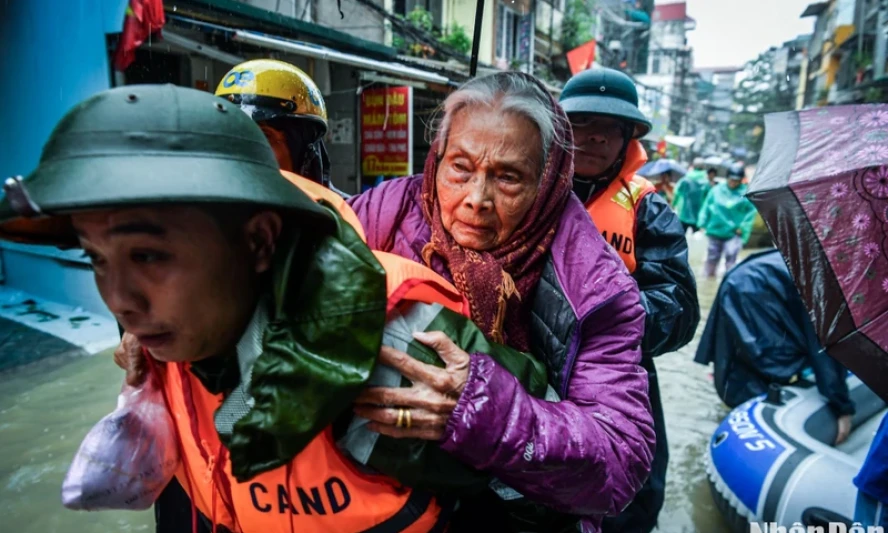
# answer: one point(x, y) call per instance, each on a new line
point(420, 411)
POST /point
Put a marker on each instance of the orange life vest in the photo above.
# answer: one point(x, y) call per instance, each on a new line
point(321, 489)
point(316, 192)
point(614, 210)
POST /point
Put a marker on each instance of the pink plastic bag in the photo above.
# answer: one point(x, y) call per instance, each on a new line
point(128, 458)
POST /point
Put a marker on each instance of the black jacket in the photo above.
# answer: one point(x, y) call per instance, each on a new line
point(664, 277)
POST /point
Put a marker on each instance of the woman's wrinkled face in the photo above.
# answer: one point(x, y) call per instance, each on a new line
point(488, 176)
point(173, 278)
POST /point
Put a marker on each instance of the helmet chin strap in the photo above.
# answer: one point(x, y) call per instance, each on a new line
point(308, 154)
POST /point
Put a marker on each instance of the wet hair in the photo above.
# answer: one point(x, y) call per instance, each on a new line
point(508, 92)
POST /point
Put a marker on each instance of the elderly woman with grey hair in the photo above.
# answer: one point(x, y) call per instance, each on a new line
point(493, 212)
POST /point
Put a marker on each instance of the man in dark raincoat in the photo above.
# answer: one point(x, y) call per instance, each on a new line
point(759, 333)
point(602, 105)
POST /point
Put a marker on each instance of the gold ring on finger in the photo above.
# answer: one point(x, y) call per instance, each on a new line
point(400, 422)
point(407, 421)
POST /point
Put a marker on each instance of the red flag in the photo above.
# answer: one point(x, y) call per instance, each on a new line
point(143, 19)
point(581, 57)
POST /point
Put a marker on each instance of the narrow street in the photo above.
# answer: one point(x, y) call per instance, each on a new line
point(46, 408)
point(693, 411)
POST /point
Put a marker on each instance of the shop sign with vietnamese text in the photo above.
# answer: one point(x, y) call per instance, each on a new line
point(387, 131)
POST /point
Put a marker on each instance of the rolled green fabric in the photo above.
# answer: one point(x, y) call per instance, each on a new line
point(420, 463)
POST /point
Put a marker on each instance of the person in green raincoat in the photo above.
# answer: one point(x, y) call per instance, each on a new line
point(727, 218)
point(690, 193)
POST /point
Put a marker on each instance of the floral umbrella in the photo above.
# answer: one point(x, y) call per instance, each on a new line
point(822, 189)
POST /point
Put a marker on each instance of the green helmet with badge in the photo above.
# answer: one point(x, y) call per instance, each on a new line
point(141, 145)
point(605, 91)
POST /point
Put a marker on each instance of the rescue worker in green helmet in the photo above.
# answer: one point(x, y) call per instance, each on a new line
point(218, 265)
point(290, 110)
point(602, 105)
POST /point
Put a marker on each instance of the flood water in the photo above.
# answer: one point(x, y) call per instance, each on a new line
point(47, 408)
point(693, 411)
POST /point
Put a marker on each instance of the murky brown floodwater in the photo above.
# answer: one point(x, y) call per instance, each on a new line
point(46, 409)
point(693, 411)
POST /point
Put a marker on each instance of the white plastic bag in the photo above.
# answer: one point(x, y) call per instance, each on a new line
point(128, 458)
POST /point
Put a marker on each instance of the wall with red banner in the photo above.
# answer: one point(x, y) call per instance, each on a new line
point(387, 131)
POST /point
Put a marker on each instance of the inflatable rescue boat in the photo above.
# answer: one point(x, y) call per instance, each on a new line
point(772, 460)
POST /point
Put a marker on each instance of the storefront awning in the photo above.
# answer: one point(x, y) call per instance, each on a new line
point(249, 14)
point(328, 54)
point(282, 44)
point(173, 38)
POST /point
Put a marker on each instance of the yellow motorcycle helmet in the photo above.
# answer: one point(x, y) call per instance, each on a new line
point(269, 89)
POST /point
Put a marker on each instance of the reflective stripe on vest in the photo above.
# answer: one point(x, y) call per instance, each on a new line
point(321, 489)
point(614, 213)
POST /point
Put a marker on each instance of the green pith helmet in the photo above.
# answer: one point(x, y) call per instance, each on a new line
point(147, 144)
point(605, 91)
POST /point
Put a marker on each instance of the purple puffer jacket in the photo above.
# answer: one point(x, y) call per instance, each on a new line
point(586, 455)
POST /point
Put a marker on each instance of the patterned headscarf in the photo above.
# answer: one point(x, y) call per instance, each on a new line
point(499, 283)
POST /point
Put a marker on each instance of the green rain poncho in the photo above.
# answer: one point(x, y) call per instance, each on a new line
point(690, 193)
point(725, 211)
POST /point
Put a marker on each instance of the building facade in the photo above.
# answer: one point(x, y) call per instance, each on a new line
point(668, 88)
point(715, 97)
point(845, 60)
point(548, 49)
point(624, 32)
